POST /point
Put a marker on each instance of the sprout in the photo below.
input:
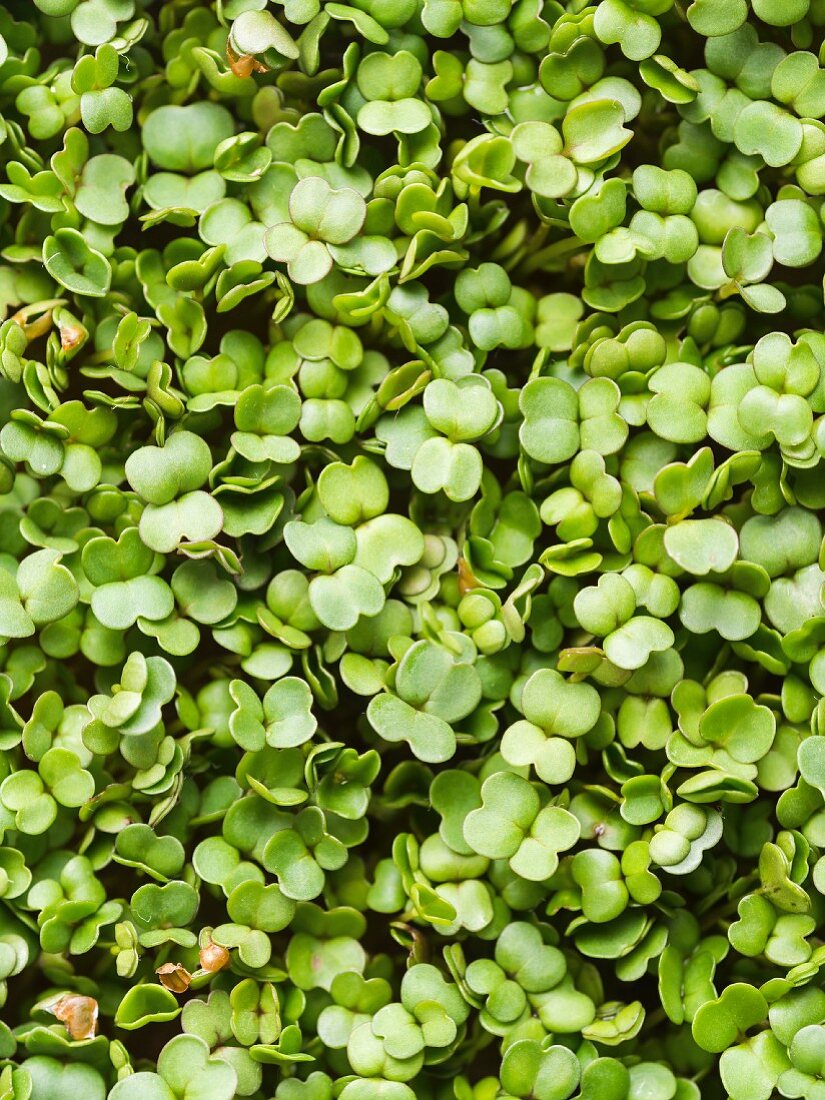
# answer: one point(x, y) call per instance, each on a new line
point(412, 578)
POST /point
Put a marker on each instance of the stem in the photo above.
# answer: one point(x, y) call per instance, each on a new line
point(555, 251)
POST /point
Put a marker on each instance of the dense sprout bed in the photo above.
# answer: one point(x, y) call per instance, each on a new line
point(412, 420)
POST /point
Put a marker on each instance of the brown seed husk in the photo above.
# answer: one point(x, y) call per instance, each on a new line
point(213, 957)
point(174, 977)
point(78, 1014)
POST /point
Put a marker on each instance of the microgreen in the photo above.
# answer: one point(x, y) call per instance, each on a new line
point(412, 584)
